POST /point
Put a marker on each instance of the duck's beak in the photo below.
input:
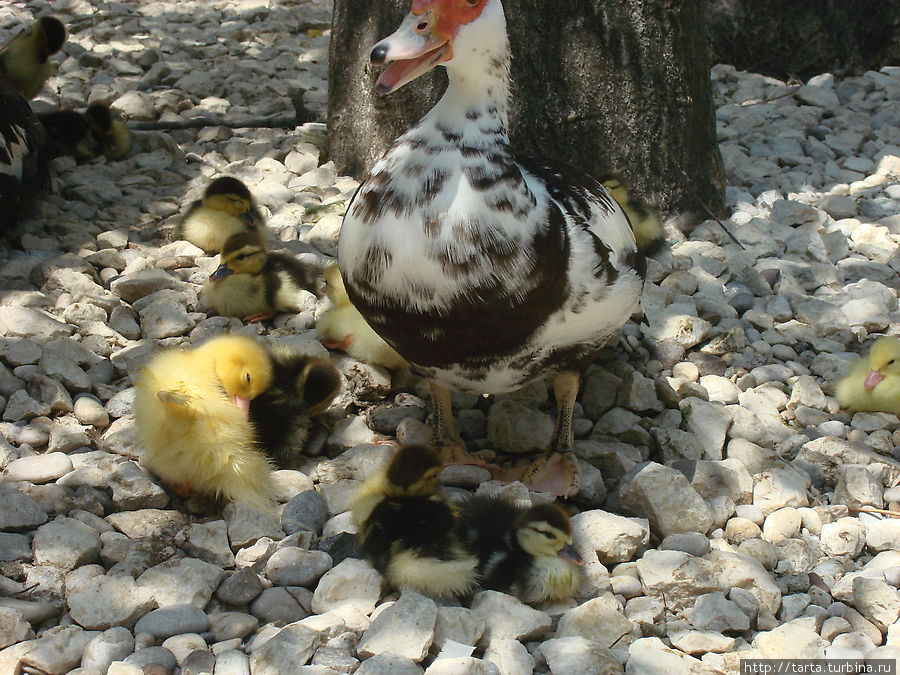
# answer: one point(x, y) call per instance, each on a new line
point(414, 49)
point(567, 552)
point(221, 272)
point(873, 378)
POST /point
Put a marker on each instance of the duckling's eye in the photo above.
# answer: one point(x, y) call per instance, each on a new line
point(549, 535)
point(891, 362)
point(240, 257)
point(247, 378)
point(472, 3)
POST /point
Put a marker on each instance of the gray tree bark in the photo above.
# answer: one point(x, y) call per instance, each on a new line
point(603, 86)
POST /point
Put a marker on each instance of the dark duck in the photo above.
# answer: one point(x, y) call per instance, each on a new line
point(484, 270)
point(23, 158)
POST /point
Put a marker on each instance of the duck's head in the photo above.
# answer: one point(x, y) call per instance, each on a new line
point(242, 253)
point(100, 119)
point(230, 195)
point(242, 365)
point(884, 361)
point(544, 530)
point(53, 31)
point(440, 32)
point(413, 472)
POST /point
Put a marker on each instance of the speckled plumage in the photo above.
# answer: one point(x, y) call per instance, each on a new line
point(23, 161)
point(484, 270)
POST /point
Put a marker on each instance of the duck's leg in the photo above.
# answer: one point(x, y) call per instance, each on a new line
point(446, 438)
point(260, 316)
point(556, 470)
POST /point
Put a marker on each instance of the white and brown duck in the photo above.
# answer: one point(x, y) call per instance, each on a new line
point(484, 270)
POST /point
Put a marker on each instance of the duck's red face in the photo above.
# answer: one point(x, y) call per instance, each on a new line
point(424, 40)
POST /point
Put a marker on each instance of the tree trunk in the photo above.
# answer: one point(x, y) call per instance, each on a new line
point(603, 86)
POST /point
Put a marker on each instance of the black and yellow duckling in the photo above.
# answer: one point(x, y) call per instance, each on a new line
point(873, 381)
point(525, 552)
point(302, 388)
point(23, 157)
point(227, 208)
point(648, 231)
point(254, 284)
point(408, 531)
point(343, 327)
point(68, 133)
point(25, 59)
point(191, 415)
point(110, 129)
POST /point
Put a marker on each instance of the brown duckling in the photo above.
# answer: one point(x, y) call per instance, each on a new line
point(254, 284)
point(407, 530)
point(227, 208)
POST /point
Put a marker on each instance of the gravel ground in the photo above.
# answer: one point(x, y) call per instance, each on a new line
point(724, 510)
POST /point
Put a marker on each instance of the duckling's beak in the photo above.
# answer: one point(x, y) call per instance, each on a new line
point(414, 49)
point(567, 552)
point(247, 218)
point(221, 272)
point(873, 378)
point(242, 403)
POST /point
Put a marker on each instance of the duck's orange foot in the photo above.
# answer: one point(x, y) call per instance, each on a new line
point(339, 345)
point(260, 316)
point(183, 490)
point(555, 472)
point(456, 453)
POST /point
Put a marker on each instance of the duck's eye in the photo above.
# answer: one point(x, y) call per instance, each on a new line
point(247, 378)
point(549, 535)
point(891, 362)
point(472, 3)
point(241, 256)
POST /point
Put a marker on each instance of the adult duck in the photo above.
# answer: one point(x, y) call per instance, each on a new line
point(484, 270)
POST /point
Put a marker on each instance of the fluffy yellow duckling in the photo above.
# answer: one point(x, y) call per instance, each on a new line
point(25, 60)
point(227, 208)
point(255, 284)
point(191, 415)
point(302, 388)
point(527, 553)
point(343, 327)
point(648, 231)
point(873, 381)
point(408, 531)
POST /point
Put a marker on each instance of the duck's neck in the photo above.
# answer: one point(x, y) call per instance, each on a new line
point(477, 97)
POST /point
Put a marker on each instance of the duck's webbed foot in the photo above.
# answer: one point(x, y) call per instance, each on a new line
point(557, 470)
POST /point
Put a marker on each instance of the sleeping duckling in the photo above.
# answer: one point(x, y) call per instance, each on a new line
point(301, 388)
point(648, 231)
point(25, 60)
point(110, 130)
point(254, 284)
point(227, 208)
point(407, 530)
point(191, 415)
point(873, 382)
point(68, 133)
point(344, 328)
point(527, 553)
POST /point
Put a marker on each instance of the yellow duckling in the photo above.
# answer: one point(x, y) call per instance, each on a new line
point(191, 415)
point(343, 327)
point(527, 553)
point(408, 531)
point(254, 284)
point(873, 381)
point(97, 131)
point(25, 60)
point(648, 231)
point(302, 388)
point(227, 208)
